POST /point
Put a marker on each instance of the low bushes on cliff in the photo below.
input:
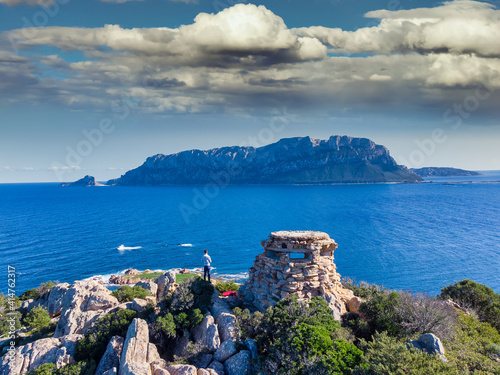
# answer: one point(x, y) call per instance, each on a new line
point(38, 292)
point(473, 347)
point(127, 293)
point(296, 338)
point(181, 311)
point(399, 314)
point(388, 355)
point(226, 286)
point(93, 345)
point(76, 368)
point(478, 297)
point(37, 319)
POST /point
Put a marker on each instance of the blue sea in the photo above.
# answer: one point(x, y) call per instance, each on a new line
point(418, 237)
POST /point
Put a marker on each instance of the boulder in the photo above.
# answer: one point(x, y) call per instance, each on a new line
point(136, 368)
point(203, 360)
point(136, 345)
point(83, 303)
point(150, 286)
point(132, 272)
point(56, 298)
point(226, 350)
point(63, 358)
point(206, 333)
point(182, 370)
point(31, 356)
point(158, 364)
point(252, 347)
point(217, 367)
point(430, 344)
point(238, 364)
point(69, 342)
point(153, 354)
point(111, 357)
point(226, 326)
point(219, 306)
point(161, 371)
point(165, 284)
point(139, 304)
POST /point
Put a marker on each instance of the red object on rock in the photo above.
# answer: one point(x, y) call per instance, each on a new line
point(227, 294)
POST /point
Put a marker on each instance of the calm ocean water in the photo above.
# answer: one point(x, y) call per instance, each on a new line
point(406, 236)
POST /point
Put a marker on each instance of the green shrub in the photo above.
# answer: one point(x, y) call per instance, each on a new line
point(45, 369)
point(39, 291)
point(75, 368)
point(44, 288)
point(180, 277)
point(226, 286)
point(127, 293)
point(30, 294)
point(166, 325)
point(193, 293)
point(471, 346)
point(479, 297)
point(247, 322)
point(381, 313)
point(94, 343)
point(78, 368)
point(5, 322)
point(386, 355)
point(37, 319)
point(363, 289)
point(296, 338)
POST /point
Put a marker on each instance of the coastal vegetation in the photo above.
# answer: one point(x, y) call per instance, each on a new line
point(299, 337)
point(127, 293)
point(226, 286)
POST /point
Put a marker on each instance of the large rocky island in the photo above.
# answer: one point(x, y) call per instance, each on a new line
point(302, 160)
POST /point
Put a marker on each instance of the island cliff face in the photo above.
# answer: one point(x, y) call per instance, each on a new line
point(303, 160)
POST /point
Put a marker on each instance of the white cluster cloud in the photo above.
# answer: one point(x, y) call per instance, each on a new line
point(460, 26)
point(243, 34)
point(246, 57)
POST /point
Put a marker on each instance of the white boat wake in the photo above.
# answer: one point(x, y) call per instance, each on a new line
point(185, 245)
point(125, 248)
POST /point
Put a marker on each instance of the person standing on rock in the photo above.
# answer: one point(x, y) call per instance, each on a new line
point(206, 260)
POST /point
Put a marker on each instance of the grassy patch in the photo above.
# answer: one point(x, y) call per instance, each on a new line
point(144, 276)
point(180, 277)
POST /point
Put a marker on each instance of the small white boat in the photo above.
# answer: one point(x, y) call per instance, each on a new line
point(123, 247)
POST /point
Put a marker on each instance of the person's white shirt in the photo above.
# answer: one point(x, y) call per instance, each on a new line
point(206, 260)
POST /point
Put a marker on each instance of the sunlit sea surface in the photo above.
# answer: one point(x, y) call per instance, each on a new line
point(418, 237)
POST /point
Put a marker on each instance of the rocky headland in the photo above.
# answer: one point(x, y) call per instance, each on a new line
point(443, 172)
point(293, 294)
point(302, 160)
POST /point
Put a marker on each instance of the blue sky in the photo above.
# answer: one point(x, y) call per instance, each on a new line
point(94, 87)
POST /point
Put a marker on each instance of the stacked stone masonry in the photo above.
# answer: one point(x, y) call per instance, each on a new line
point(300, 263)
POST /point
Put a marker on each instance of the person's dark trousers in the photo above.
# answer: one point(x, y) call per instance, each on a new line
point(207, 272)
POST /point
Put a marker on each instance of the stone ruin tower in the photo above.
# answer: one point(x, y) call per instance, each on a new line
point(300, 263)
